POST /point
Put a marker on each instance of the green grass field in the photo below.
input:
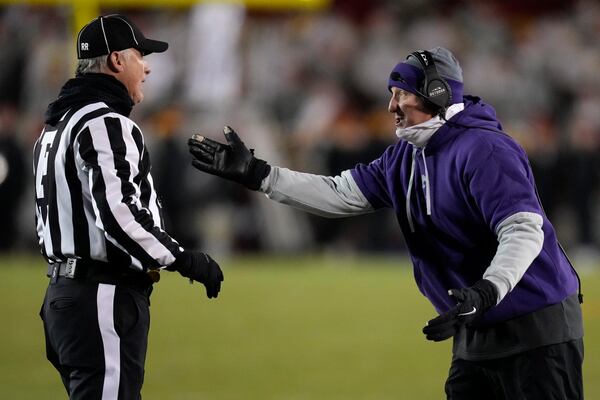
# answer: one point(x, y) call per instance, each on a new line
point(283, 328)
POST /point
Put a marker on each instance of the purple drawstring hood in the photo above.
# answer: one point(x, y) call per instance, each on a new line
point(409, 75)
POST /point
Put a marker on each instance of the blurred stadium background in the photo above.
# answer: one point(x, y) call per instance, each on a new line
point(312, 308)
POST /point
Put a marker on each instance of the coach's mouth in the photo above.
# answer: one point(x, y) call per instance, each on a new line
point(399, 119)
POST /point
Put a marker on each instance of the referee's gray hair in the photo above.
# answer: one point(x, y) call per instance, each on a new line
point(91, 64)
point(88, 65)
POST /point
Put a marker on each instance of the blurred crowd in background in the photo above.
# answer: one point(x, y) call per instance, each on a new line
point(308, 91)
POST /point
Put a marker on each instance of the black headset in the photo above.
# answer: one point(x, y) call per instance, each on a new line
point(435, 90)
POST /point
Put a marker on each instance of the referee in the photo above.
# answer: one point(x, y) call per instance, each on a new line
point(99, 221)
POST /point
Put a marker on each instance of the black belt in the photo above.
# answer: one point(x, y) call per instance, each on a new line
point(101, 272)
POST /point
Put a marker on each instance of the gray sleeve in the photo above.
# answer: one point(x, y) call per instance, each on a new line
point(520, 240)
point(327, 196)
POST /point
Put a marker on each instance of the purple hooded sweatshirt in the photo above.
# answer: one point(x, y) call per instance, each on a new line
point(478, 177)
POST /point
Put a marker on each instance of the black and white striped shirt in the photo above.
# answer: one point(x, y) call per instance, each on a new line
point(95, 198)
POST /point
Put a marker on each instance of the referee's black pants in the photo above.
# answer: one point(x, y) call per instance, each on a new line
point(551, 372)
point(96, 337)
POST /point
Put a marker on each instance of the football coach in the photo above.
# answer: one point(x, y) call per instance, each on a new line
point(483, 250)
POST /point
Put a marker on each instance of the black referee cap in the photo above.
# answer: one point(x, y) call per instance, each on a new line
point(114, 32)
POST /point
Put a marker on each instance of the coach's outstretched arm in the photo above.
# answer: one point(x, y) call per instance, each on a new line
point(326, 196)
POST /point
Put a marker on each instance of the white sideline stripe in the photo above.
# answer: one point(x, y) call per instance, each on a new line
point(111, 341)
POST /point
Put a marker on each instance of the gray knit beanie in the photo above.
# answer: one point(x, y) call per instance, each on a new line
point(411, 73)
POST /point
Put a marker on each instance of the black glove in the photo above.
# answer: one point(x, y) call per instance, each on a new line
point(231, 161)
point(472, 303)
point(201, 268)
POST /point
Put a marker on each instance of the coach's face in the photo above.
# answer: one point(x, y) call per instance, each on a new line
point(132, 70)
point(407, 108)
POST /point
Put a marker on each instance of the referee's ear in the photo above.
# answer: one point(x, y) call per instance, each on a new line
point(114, 62)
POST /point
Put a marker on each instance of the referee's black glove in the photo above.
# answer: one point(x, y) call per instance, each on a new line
point(199, 267)
point(472, 303)
point(231, 161)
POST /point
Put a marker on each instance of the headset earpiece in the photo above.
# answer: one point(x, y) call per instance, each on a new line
point(438, 92)
point(435, 89)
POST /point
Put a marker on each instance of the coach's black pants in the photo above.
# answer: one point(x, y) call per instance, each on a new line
point(96, 337)
point(546, 373)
